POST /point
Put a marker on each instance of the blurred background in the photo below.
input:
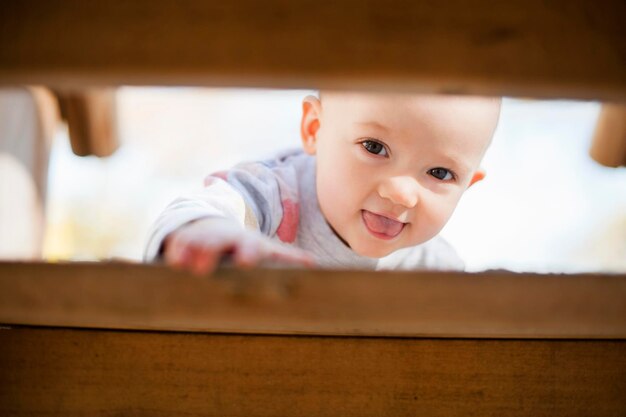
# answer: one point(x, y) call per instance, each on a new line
point(545, 205)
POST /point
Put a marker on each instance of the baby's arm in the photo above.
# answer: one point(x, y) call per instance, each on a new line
point(196, 231)
point(198, 246)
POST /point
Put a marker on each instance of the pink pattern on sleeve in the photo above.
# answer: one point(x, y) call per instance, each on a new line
point(289, 224)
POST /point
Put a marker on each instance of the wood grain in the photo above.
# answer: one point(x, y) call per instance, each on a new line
point(561, 48)
point(59, 372)
point(432, 304)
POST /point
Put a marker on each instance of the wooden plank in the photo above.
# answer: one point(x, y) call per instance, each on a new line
point(561, 48)
point(433, 304)
point(91, 120)
point(106, 373)
point(609, 140)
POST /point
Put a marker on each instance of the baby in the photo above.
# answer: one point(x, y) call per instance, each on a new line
point(378, 177)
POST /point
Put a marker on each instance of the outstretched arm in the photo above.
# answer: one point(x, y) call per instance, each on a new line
point(234, 215)
point(200, 245)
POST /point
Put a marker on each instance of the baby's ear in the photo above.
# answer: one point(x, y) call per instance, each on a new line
point(310, 124)
point(479, 175)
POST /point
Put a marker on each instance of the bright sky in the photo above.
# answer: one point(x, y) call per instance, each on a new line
point(545, 206)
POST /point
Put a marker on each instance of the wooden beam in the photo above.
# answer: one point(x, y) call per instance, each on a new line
point(428, 304)
point(609, 140)
point(91, 120)
point(561, 48)
point(107, 373)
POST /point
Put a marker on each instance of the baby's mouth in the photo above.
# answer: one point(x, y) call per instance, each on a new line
point(380, 226)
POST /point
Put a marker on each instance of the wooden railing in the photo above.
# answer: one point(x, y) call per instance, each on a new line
point(561, 48)
point(122, 339)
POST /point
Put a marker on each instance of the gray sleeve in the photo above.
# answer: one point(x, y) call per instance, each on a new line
point(257, 183)
point(251, 199)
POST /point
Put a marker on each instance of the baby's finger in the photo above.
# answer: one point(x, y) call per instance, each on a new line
point(205, 260)
point(176, 254)
point(248, 253)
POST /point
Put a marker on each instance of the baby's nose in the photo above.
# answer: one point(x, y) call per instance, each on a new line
point(400, 190)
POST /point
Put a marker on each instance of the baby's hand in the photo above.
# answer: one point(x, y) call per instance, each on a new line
point(199, 246)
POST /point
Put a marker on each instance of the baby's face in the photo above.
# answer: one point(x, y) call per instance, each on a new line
point(392, 168)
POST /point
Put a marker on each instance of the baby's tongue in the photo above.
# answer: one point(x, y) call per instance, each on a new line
point(381, 224)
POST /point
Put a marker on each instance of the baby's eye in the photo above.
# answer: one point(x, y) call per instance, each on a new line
point(441, 174)
point(374, 147)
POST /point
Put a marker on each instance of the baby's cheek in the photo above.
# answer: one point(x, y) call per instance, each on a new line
point(336, 207)
point(341, 186)
point(435, 213)
point(331, 195)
